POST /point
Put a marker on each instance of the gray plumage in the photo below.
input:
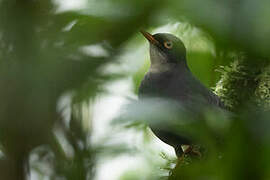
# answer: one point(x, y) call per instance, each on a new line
point(179, 84)
point(169, 77)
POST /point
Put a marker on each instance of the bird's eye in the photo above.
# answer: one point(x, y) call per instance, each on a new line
point(168, 44)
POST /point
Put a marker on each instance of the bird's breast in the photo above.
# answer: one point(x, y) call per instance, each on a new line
point(166, 84)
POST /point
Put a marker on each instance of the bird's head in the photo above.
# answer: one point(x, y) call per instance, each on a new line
point(165, 48)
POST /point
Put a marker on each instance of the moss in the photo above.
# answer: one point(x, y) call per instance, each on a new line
point(262, 91)
point(243, 81)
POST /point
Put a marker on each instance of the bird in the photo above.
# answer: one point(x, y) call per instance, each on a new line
point(170, 77)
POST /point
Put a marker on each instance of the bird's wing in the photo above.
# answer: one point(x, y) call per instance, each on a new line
point(211, 98)
point(195, 92)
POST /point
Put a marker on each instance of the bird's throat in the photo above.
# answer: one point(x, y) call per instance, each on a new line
point(165, 67)
point(159, 68)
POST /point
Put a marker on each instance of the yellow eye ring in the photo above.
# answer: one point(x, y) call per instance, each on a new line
point(168, 44)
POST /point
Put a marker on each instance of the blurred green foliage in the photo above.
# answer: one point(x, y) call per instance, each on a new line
point(42, 64)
